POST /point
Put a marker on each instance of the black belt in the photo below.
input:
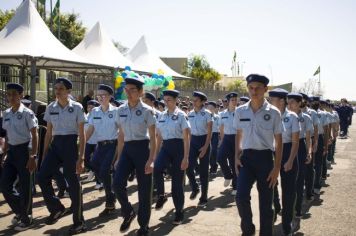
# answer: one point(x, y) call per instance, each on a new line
point(106, 142)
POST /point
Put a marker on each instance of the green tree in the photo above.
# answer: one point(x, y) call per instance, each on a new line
point(72, 30)
point(5, 17)
point(123, 49)
point(238, 86)
point(199, 68)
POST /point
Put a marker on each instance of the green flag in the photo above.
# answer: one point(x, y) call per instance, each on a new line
point(43, 2)
point(317, 71)
point(55, 13)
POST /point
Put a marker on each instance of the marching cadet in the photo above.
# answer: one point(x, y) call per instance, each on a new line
point(289, 167)
point(309, 167)
point(21, 127)
point(322, 143)
point(259, 126)
point(173, 129)
point(212, 107)
point(325, 106)
point(335, 134)
point(150, 99)
point(135, 151)
point(201, 123)
point(243, 100)
point(103, 123)
point(305, 147)
point(65, 122)
point(226, 153)
point(90, 146)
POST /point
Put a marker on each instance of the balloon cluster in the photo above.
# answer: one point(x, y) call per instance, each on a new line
point(154, 82)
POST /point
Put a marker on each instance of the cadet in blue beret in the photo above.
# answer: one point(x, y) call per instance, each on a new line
point(226, 152)
point(161, 106)
point(201, 122)
point(136, 151)
point(150, 99)
point(93, 103)
point(65, 122)
point(259, 134)
point(21, 128)
point(305, 147)
point(213, 108)
point(289, 165)
point(27, 103)
point(104, 123)
point(173, 132)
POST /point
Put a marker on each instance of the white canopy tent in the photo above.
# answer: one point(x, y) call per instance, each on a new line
point(26, 41)
point(98, 48)
point(146, 60)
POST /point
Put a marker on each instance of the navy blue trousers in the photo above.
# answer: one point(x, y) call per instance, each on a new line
point(257, 164)
point(226, 158)
point(63, 151)
point(288, 185)
point(15, 165)
point(302, 156)
point(102, 165)
point(171, 153)
point(196, 143)
point(310, 175)
point(89, 152)
point(134, 156)
point(319, 162)
point(214, 152)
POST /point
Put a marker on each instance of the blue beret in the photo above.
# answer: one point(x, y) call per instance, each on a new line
point(160, 103)
point(150, 96)
point(94, 103)
point(323, 101)
point(244, 99)
point(296, 96)
point(117, 103)
point(212, 103)
point(200, 95)
point(257, 78)
point(134, 78)
point(305, 96)
point(14, 86)
point(171, 92)
point(314, 99)
point(231, 95)
point(66, 82)
point(278, 92)
point(26, 102)
point(106, 88)
point(224, 100)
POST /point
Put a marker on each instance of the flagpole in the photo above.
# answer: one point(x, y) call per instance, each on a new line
point(51, 21)
point(319, 88)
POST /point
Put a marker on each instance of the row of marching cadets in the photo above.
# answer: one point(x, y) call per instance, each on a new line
point(252, 140)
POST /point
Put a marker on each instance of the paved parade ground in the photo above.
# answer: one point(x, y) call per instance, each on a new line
point(333, 214)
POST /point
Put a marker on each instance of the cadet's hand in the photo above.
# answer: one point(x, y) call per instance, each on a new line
point(149, 167)
point(288, 166)
point(315, 148)
point(185, 163)
point(31, 165)
point(325, 152)
point(80, 166)
point(273, 176)
point(309, 158)
point(238, 164)
point(202, 151)
point(116, 162)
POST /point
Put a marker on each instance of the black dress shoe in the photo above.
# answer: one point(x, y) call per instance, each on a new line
point(178, 218)
point(55, 216)
point(107, 212)
point(143, 231)
point(194, 194)
point(160, 202)
point(127, 222)
point(202, 202)
point(77, 229)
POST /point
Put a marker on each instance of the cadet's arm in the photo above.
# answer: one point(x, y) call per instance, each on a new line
point(295, 146)
point(89, 132)
point(47, 141)
point(81, 140)
point(34, 134)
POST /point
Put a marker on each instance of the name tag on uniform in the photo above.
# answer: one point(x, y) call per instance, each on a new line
point(123, 115)
point(161, 121)
point(224, 117)
point(54, 113)
point(191, 116)
point(247, 119)
point(7, 119)
point(96, 118)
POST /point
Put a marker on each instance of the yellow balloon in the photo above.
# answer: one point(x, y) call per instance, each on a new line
point(118, 81)
point(160, 72)
point(171, 85)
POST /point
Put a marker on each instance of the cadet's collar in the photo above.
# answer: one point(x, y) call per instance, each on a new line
point(266, 106)
point(174, 112)
point(70, 103)
point(111, 108)
point(20, 109)
point(138, 106)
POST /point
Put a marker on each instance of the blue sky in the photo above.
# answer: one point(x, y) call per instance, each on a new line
point(283, 39)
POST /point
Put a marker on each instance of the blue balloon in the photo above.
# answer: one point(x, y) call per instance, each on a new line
point(154, 76)
point(127, 68)
point(161, 77)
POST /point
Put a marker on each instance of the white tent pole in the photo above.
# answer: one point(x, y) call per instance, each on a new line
point(33, 81)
